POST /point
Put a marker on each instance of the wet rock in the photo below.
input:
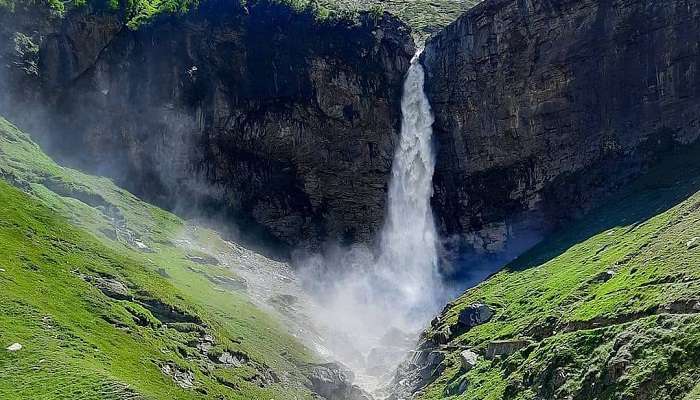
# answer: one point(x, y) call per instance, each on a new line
point(504, 347)
point(443, 336)
point(468, 359)
point(183, 378)
point(14, 347)
point(332, 381)
point(418, 371)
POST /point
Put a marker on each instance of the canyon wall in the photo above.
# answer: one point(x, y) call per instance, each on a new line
point(257, 113)
point(542, 107)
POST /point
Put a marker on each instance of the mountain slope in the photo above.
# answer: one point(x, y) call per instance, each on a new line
point(608, 308)
point(110, 299)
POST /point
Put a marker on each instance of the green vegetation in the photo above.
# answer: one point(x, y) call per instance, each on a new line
point(99, 290)
point(611, 305)
point(424, 16)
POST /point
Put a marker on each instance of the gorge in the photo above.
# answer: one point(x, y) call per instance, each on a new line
point(328, 190)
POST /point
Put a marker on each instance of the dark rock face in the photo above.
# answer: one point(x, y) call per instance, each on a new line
point(258, 113)
point(543, 106)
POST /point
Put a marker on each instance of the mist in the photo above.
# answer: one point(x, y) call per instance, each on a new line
point(377, 300)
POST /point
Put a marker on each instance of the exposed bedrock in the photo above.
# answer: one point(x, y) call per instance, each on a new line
point(256, 113)
point(544, 106)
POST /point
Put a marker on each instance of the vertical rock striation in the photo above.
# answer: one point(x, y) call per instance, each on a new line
point(266, 115)
point(542, 106)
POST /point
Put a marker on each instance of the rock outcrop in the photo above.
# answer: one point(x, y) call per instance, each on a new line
point(255, 112)
point(335, 382)
point(542, 106)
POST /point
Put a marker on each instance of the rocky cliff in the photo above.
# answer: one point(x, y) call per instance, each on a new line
point(543, 106)
point(261, 113)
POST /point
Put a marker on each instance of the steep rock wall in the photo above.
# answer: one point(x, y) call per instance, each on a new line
point(543, 106)
point(259, 113)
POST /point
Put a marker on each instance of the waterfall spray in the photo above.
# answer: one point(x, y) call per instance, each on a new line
point(376, 302)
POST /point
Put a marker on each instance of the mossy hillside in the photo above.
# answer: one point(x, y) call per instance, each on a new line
point(60, 231)
point(609, 305)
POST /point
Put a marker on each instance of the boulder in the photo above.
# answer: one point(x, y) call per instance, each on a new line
point(333, 381)
point(473, 315)
point(504, 347)
point(417, 372)
point(183, 378)
point(110, 287)
point(14, 347)
point(604, 276)
point(693, 243)
point(231, 359)
point(468, 359)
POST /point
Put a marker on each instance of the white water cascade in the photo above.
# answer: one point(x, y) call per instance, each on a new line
point(376, 303)
point(408, 253)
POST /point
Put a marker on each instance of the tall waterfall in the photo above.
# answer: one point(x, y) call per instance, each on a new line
point(375, 302)
point(408, 253)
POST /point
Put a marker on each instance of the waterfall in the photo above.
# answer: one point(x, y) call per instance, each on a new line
point(408, 252)
point(374, 303)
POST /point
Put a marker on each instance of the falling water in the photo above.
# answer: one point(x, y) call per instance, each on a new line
point(409, 239)
point(381, 300)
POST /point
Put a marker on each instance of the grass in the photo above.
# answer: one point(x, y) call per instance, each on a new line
point(423, 16)
point(581, 323)
point(59, 231)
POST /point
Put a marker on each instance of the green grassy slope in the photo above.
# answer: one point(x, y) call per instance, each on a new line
point(63, 236)
point(630, 333)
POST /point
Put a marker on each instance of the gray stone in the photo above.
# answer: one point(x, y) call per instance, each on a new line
point(183, 378)
point(110, 287)
point(333, 381)
point(504, 347)
point(468, 359)
point(540, 107)
point(693, 243)
point(231, 360)
point(14, 347)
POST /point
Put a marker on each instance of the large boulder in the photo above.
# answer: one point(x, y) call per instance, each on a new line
point(468, 359)
point(473, 315)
